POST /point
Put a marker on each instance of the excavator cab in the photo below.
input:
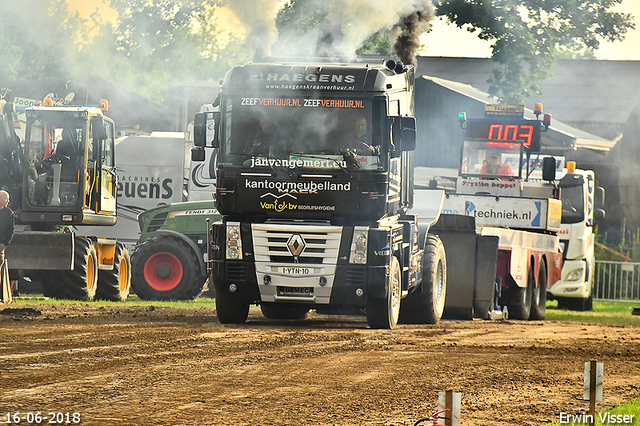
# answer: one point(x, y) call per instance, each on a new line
point(70, 167)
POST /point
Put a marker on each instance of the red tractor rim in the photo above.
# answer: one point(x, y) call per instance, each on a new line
point(156, 268)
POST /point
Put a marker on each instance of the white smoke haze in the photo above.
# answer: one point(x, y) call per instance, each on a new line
point(258, 19)
point(349, 23)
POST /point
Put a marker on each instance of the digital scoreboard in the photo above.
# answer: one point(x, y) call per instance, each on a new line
point(506, 130)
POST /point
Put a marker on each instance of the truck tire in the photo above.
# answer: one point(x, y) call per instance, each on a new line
point(384, 313)
point(519, 299)
point(230, 309)
point(115, 285)
point(82, 282)
point(49, 281)
point(284, 311)
point(166, 268)
point(539, 299)
point(574, 304)
point(426, 304)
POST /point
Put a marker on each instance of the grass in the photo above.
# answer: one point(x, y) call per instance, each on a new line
point(38, 299)
point(630, 409)
point(605, 313)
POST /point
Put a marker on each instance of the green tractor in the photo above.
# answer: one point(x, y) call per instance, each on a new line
point(168, 262)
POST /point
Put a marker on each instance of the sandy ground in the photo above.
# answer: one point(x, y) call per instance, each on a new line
point(162, 366)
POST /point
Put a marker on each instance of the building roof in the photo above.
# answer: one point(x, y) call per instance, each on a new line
point(592, 95)
point(560, 135)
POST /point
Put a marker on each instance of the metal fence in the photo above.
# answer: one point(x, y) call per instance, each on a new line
point(617, 281)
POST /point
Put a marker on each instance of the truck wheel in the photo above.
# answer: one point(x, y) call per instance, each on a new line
point(115, 285)
point(230, 309)
point(426, 304)
point(384, 313)
point(82, 282)
point(284, 311)
point(574, 304)
point(520, 299)
point(166, 268)
point(539, 299)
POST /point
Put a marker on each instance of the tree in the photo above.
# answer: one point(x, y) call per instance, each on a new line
point(151, 45)
point(159, 43)
point(37, 39)
point(528, 35)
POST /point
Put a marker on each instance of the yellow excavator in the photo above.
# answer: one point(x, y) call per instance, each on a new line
point(61, 176)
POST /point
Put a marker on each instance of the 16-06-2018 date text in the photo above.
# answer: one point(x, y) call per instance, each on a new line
point(38, 417)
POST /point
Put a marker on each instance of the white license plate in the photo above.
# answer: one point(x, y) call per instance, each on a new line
point(292, 270)
point(295, 291)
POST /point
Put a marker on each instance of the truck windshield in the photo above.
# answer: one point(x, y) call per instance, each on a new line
point(299, 132)
point(493, 160)
point(572, 204)
point(54, 142)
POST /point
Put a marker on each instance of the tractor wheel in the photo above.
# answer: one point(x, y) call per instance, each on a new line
point(519, 299)
point(426, 304)
point(284, 311)
point(115, 284)
point(384, 313)
point(166, 268)
point(82, 282)
point(539, 299)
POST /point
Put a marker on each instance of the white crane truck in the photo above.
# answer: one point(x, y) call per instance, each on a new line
point(495, 190)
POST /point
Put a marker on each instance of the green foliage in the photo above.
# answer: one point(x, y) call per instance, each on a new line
point(606, 313)
point(626, 251)
point(152, 45)
point(37, 38)
point(529, 35)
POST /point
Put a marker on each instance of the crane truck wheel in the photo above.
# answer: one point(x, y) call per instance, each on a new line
point(230, 309)
point(115, 285)
point(284, 311)
point(539, 299)
point(166, 268)
point(384, 313)
point(519, 298)
point(426, 304)
point(82, 282)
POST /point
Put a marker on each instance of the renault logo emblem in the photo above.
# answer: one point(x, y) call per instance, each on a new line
point(296, 245)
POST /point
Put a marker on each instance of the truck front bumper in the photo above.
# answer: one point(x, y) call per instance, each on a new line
point(572, 283)
point(343, 285)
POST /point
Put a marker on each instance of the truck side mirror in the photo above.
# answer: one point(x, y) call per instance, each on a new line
point(197, 154)
point(549, 169)
point(200, 129)
point(403, 132)
point(598, 211)
point(98, 128)
point(204, 128)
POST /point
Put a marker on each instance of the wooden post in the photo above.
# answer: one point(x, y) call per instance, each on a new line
point(592, 392)
point(448, 398)
point(450, 401)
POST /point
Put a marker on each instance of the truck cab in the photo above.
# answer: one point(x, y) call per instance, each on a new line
point(581, 207)
point(314, 182)
point(70, 168)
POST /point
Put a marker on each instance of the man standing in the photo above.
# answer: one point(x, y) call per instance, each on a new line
point(6, 234)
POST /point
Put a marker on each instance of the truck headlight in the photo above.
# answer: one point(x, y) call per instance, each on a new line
point(234, 242)
point(574, 275)
point(359, 245)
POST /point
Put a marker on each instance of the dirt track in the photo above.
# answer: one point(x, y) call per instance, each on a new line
point(160, 366)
